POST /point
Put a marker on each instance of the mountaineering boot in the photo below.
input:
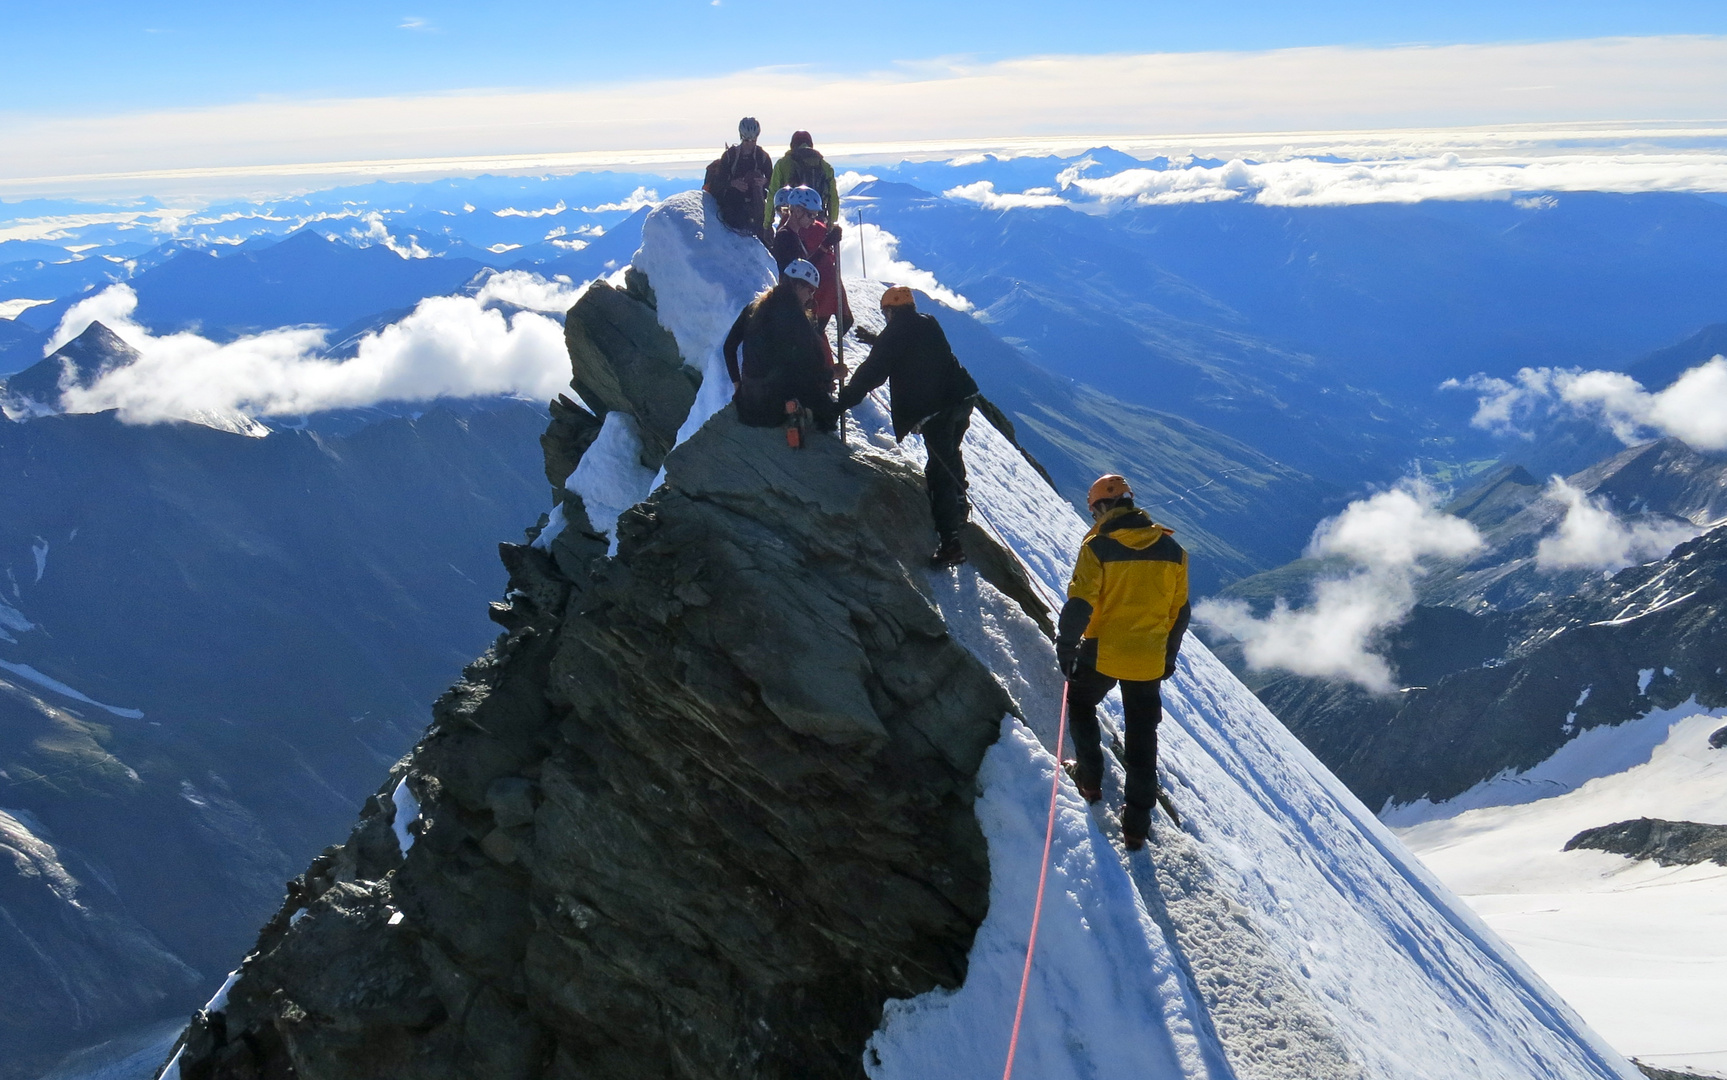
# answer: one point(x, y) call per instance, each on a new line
point(794, 425)
point(950, 553)
point(1135, 824)
point(1089, 794)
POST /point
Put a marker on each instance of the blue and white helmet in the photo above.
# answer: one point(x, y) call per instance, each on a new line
point(807, 198)
point(782, 198)
point(802, 270)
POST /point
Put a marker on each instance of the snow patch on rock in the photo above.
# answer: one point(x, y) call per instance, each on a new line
point(702, 275)
point(610, 477)
point(407, 812)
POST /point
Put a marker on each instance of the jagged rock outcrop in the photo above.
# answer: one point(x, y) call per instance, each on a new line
point(625, 361)
point(700, 813)
point(1668, 843)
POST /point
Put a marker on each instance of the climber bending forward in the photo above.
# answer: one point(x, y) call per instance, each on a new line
point(1123, 622)
point(932, 394)
point(785, 359)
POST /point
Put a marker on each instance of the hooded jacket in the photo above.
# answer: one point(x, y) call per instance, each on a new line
point(1127, 607)
point(788, 166)
point(924, 377)
point(783, 358)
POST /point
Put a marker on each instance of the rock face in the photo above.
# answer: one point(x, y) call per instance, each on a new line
point(625, 361)
point(698, 814)
point(1669, 843)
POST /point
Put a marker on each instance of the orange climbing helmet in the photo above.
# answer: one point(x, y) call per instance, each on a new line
point(897, 296)
point(1109, 486)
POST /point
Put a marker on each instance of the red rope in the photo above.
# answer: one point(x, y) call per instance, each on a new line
point(1042, 877)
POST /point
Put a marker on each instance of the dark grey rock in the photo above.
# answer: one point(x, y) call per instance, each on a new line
point(1718, 738)
point(701, 822)
point(625, 361)
point(1669, 843)
point(572, 430)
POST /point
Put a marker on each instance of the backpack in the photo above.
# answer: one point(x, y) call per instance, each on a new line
point(809, 170)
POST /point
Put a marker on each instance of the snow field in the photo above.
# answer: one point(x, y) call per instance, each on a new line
point(1639, 949)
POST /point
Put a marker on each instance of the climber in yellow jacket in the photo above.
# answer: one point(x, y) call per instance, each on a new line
point(1123, 622)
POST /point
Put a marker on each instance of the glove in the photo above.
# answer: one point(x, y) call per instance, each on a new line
point(1067, 658)
point(833, 237)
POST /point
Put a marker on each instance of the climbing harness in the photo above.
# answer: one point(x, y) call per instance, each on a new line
point(1042, 877)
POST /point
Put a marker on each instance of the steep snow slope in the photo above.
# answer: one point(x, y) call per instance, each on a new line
point(1283, 933)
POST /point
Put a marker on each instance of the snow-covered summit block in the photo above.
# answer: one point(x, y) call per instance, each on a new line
point(702, 274)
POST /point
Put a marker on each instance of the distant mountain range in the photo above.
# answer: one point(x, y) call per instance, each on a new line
point(1496, 656)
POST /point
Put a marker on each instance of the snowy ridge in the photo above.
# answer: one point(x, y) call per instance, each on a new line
point(1285, 933)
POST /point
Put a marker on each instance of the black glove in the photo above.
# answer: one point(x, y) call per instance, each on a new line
point(1067, 658)
point(833, 237)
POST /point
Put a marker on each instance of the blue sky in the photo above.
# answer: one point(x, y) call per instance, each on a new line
point(102, 57)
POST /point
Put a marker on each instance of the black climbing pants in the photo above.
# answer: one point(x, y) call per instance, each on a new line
point(1142, 705)
point(944, 473)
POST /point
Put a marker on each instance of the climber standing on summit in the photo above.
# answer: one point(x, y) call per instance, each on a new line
point(784, 368)
point(932, 394)
point(1124, 619)
point(803, 166)
point(738, 181)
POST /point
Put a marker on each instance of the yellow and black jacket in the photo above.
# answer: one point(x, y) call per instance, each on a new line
point(1127, 608)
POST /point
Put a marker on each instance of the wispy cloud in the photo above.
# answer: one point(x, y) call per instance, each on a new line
point(1693, 409)
point(1592, 537)
point(1026, 101)
point(413, 22)
point(1386, 540)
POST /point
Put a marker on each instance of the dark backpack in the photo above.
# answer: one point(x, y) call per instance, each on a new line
point(809, 170)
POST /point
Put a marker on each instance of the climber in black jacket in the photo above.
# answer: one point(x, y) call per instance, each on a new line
point(932, 395)
point(784, 358)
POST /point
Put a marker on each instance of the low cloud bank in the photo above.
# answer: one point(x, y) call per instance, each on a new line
point(874, 247)
point(1593, 537)
point(1387, 539)
point(1289, 180)
point(448, 346)
point(1693, 409)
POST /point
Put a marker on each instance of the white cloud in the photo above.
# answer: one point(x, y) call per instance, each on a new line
point(548, 211)
point(111, 307)
point(984, 194)
point(848, 180)
point(632, 202)
point(873, 245)
point(11, 309)
point(1593, 537)
point(1388, 538)
point(1693, 409)
point(531, 291)
point(448, 346)
point(377, 232)
point(957, 105)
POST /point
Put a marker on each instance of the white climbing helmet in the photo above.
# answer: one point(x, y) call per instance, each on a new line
point(807, 198)
point(802, 270)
